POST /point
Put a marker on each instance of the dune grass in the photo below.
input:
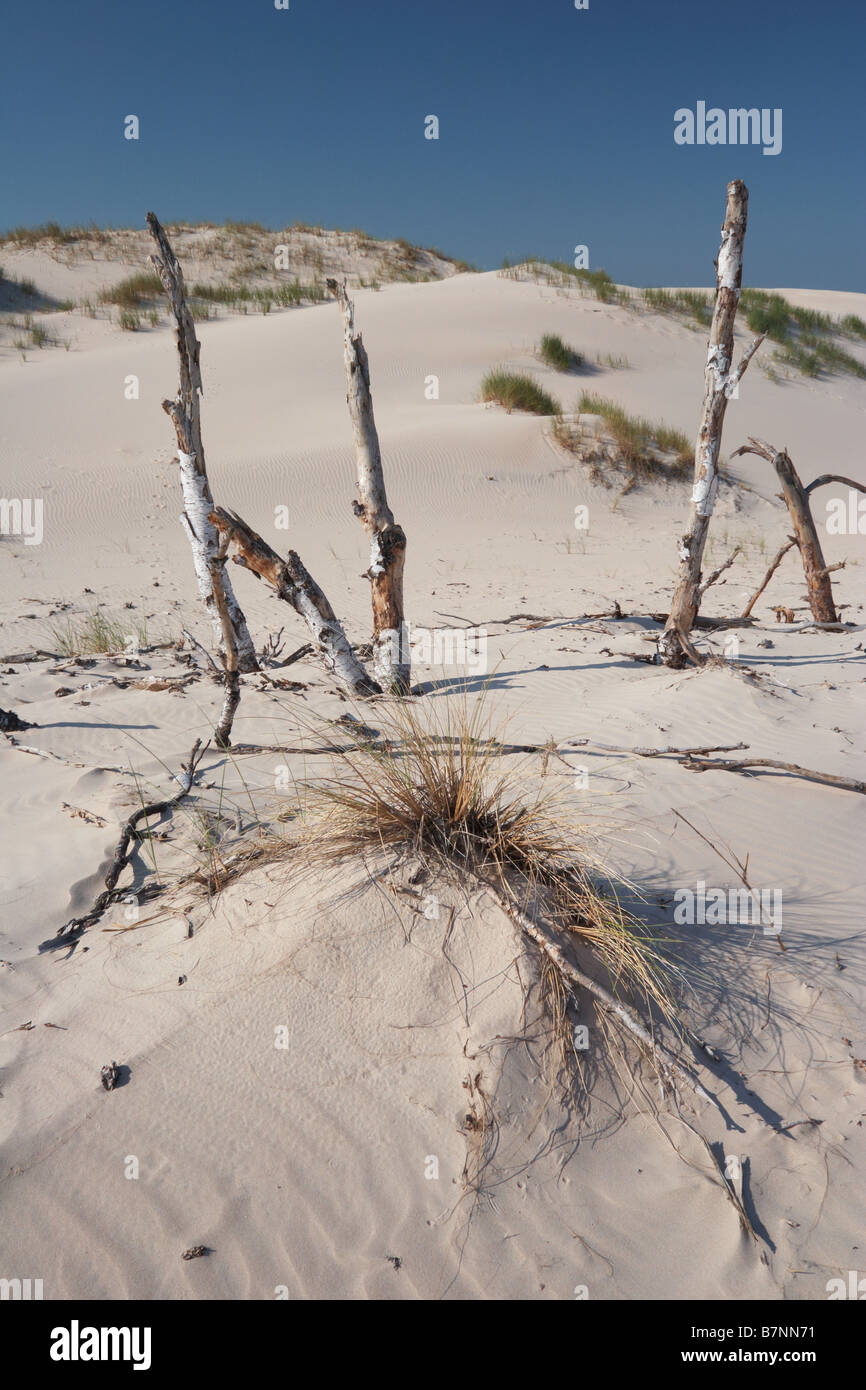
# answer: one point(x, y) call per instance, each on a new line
point(693, 303)
point(592, 282)
point(806, 337)
point(637, 438)
point(517, 391)
point(559, 355)
point(435, 786)
point(98, 633)
point(142, 288)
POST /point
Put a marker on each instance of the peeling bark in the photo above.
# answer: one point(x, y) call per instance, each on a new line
point(185, 414)
point(720, 382)
point(391, 661)
point(297, 587)
point(818, 585)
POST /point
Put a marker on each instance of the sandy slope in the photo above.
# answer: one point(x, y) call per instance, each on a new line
point(304, 1167)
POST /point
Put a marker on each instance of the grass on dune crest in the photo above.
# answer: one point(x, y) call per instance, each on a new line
point(436, 787)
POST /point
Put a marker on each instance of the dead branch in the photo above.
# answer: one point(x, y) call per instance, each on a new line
point(391, 662)
point(768, 576)
point(73, 929)
point(297, 587)
point(716, 573)
point(833, 478)
point(796, 498)
point(549, 940)
point(829, 779)
point(185, 414)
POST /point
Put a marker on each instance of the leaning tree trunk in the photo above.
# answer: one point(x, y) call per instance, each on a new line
point(720, 383)
point(391, 661)
point(818, 585)
point(185, 414)
point(296, 585)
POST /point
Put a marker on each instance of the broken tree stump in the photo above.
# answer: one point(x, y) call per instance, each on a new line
point(720, 383)
point(796, 496)
point(391, 659)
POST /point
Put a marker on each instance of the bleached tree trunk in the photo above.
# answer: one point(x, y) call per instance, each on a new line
point(818, 584)
point(223, 731)
point(185, 414)
point(719, 384)
point(297, 587)
point(391, 660)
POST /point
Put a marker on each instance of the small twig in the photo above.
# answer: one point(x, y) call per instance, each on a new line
point(768, 576)
point(204, 652)
point(74, 928)
point(715, 574)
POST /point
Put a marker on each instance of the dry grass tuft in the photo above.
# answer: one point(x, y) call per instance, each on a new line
point(436, 787)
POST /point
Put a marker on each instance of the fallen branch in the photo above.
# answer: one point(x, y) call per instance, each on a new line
point(549, 940)
point(76, 926)
point(808, 774)
point(297, 587)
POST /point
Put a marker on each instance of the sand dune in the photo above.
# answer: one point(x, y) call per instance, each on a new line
point(303, 1168)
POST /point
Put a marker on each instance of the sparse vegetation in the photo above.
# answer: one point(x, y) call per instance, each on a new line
point(692, 303)
point(561, 273)
point(646, 449)
point(805, 336)
point(557, 354)
point(435, 789)
point(135, 291)
point(517, 391)
point(98, 633)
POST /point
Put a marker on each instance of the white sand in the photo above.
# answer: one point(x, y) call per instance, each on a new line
point(304, 1167)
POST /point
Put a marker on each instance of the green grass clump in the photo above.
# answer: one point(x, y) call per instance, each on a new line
point(98, 632)
point(129, 320)
point(693, 303)
point(135, 291)
point(853, 326)
point(286, 295)
point(517, 391)
point(558, 354)
point(636, 438)
point(767, 313)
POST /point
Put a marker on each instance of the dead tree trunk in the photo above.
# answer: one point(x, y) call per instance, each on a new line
point(391, 661)
point(720, 383)
point(296, 586)
point(818, 585)
point(185, 414)
point(223, 731)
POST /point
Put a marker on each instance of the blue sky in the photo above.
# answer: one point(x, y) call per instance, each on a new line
point(556, 125)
